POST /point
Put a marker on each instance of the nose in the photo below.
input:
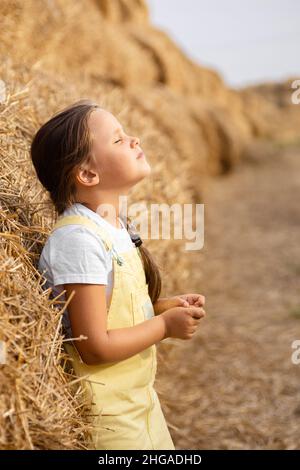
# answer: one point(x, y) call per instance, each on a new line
point(135, 140)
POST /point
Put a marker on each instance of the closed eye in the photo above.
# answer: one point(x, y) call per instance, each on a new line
point(117, 141)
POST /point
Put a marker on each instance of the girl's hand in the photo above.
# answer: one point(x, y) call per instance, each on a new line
point(182, 322)
point(165, 303)
point(184, 300)
point(197, 300)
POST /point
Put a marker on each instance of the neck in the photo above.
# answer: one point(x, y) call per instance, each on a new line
point(111, 212)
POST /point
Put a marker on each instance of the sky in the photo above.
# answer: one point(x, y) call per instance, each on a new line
point(246, 41)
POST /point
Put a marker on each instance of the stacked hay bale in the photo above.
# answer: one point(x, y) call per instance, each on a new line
point(190, 125)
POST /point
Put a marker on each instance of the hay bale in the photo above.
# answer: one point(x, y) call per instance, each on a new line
point(190, 125)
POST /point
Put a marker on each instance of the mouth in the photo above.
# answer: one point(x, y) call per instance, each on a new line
point(140, 154)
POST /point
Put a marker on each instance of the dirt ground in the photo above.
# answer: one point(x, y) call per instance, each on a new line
point(234, 386)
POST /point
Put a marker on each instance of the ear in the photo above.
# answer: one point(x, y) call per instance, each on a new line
point(87, 176)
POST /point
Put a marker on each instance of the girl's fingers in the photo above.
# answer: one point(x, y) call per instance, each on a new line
point(190, 298)
point(200, 301)
point(197, 313)
point(203, 311)
point(194, 299)
point(176, 301)
point(181, 302)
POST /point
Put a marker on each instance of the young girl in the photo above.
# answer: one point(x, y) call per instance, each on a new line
point(86, 160)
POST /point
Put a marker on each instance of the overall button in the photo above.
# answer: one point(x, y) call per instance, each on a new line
point(126, 268)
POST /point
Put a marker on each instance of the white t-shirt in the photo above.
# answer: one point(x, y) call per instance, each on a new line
point(76, 253)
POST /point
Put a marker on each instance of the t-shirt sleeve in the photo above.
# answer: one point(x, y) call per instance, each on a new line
point(78, 255)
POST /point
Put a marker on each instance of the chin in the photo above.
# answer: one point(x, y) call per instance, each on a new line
point(147, 170)
point(143, 173)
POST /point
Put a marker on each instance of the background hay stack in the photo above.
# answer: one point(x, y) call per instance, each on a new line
point(190, 124)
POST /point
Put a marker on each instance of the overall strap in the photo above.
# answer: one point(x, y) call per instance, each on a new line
point(82, 220)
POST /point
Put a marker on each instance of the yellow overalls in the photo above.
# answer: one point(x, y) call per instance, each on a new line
point(122, 393)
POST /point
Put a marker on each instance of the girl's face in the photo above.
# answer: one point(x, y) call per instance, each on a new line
point(114, 161)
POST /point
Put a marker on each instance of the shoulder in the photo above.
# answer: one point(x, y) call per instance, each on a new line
point(77, 247)
point(75, 232)
point(119, 237)
point(76, 254)
point(77, 238)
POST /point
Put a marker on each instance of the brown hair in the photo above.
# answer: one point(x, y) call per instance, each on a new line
point(61, 145)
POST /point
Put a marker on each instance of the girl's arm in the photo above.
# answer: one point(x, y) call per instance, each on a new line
point(158, 306)
point(183, 300)
point(87, 312)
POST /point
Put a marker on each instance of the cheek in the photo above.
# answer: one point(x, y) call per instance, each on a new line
point(119, 164)
point(123, 159)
